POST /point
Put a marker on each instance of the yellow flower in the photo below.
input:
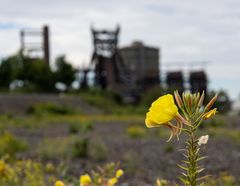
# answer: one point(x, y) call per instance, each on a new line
point(85, 180)
point(59, 183)
point(119, 173)
point(112, 181)
point(5, 170)
point(210, 114)
point(161, 111)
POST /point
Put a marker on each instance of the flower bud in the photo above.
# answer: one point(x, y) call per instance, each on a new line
point(209, 114)
point(178, 99)
point(211, 102)
point(200, 102)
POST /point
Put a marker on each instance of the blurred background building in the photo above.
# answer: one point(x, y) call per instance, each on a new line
point(198, 81)
point(143, 64)
point(175, 81)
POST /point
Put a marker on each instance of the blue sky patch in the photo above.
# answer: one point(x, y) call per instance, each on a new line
point(8, 26)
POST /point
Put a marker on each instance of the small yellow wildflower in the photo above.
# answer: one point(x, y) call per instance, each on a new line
point(209, 114)
point(112, 181)
point(161, 111)
point(119, 173)
point(59, 183)
point(85, 180)
point(5, 170)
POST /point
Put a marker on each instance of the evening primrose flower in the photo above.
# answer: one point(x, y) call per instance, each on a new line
point(85, 180)
point(161, 111)
point(119, 173)
point(112, 181)
point(209, 114)
point(59, 183)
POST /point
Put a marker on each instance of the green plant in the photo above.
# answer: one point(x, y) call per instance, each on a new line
point(86, 126)
point(47, 150)
point(73, 128)
point(185, 117)
point(11, 145)
point(24, 173)
point(81, 148)
point(50, 108)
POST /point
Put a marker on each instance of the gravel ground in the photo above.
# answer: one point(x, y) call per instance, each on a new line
point(144, 159)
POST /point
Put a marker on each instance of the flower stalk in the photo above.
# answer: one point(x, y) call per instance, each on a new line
point(186, 117)
point(191, 168)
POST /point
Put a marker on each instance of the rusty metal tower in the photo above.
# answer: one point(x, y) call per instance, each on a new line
point(110, 72)
point(38, 47)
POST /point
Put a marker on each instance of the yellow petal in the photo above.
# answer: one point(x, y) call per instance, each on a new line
point(161, 111)
point(119, 173)
point(112, 181)
point(85, 180)
point(59, 183)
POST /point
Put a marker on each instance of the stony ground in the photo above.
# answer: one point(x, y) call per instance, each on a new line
point(145, 158)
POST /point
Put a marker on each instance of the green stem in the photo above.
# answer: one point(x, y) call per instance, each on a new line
point(192, 151)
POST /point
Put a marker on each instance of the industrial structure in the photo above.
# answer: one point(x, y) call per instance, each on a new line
point(135, 68)
point(175, 81)
point(143, 64)
point(198, 81)
point(38, 46)
point(110, 71)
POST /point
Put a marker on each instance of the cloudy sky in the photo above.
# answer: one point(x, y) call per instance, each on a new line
point(188, 32)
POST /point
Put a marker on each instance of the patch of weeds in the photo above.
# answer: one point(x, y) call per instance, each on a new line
point(11, 145)
point(86, 126)
point(50, 108)
point(98, 151)
point(81, 148)
point(136, 131)
point(54, 148)
point(76, 127)
point(73, 128)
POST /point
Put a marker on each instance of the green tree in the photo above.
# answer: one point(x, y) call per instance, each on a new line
point(65, 72)
point(9, 70)
point(37, 75)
